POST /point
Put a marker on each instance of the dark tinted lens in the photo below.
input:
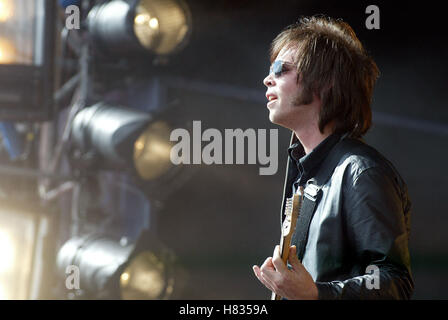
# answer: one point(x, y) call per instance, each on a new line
point(277, 68)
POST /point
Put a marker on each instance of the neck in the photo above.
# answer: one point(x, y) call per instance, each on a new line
point(310, 137)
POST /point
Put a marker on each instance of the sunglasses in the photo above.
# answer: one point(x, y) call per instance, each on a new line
point(279, 66)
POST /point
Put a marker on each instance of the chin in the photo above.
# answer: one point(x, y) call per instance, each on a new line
point(275, 119)
point(275, 113)
point(272, 117)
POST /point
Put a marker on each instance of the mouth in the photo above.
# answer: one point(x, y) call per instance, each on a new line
point(271, 98)
point(270, 103)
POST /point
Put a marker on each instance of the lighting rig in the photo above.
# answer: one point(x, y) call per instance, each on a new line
point(90, 138)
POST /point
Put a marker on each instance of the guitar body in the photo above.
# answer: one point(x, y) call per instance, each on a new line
point(292, 209)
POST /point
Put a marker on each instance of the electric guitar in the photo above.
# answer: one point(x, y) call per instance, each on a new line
point(292, 209)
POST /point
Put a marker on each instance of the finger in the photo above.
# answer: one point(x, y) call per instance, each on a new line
point(276, 250)
point(256, 270)
point(268, 272)
point(272, 277)
point(278, 262)
point(293, 259)
point(258, 274)
point(268, 281)
point(267, 265)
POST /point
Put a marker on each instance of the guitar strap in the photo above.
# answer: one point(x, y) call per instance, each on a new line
point(313, 193)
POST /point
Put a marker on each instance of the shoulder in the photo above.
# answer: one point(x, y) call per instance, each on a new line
point(366, 176)
point(359, 159)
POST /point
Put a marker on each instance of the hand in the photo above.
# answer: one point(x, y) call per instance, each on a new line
point(294, 284)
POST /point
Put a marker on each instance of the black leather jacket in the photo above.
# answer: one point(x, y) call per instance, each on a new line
point(361, 220)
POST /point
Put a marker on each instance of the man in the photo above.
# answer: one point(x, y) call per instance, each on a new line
point(320, 86)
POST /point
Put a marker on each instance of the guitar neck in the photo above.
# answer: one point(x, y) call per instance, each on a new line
point(293, 205)
point(285, 243)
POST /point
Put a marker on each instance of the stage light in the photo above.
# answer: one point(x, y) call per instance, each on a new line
point(159, 26)
point(124, 137)
point(8, 53)
point(8, 250)
point(145, 278)
point(19, 238)
point(114, 269)
point(26, 59)
point(6, 10)
point(152, 151)
point(16, 245)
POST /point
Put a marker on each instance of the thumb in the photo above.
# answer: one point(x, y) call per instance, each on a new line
point(293, 259)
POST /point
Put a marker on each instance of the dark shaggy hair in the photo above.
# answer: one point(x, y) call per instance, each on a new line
point(332, 64)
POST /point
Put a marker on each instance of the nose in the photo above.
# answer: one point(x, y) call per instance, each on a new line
point(269, 81)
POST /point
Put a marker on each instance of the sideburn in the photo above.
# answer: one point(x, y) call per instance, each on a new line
point(304, 97)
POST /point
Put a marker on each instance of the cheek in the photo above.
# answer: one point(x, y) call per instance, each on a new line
point(291, 93)
point(291, 87)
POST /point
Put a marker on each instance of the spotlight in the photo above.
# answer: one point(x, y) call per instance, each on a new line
point(159, 26)
point(26, 59)
point(21, 246)
point(6, 10)
point(125, 136)
point(114, 269)
point(8, 52)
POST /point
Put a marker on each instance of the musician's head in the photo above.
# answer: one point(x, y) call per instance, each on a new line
point(329, 67)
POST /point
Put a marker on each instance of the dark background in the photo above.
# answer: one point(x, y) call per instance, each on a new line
point(226, 218)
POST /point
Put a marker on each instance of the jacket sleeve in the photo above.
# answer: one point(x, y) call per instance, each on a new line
point(376, 214)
